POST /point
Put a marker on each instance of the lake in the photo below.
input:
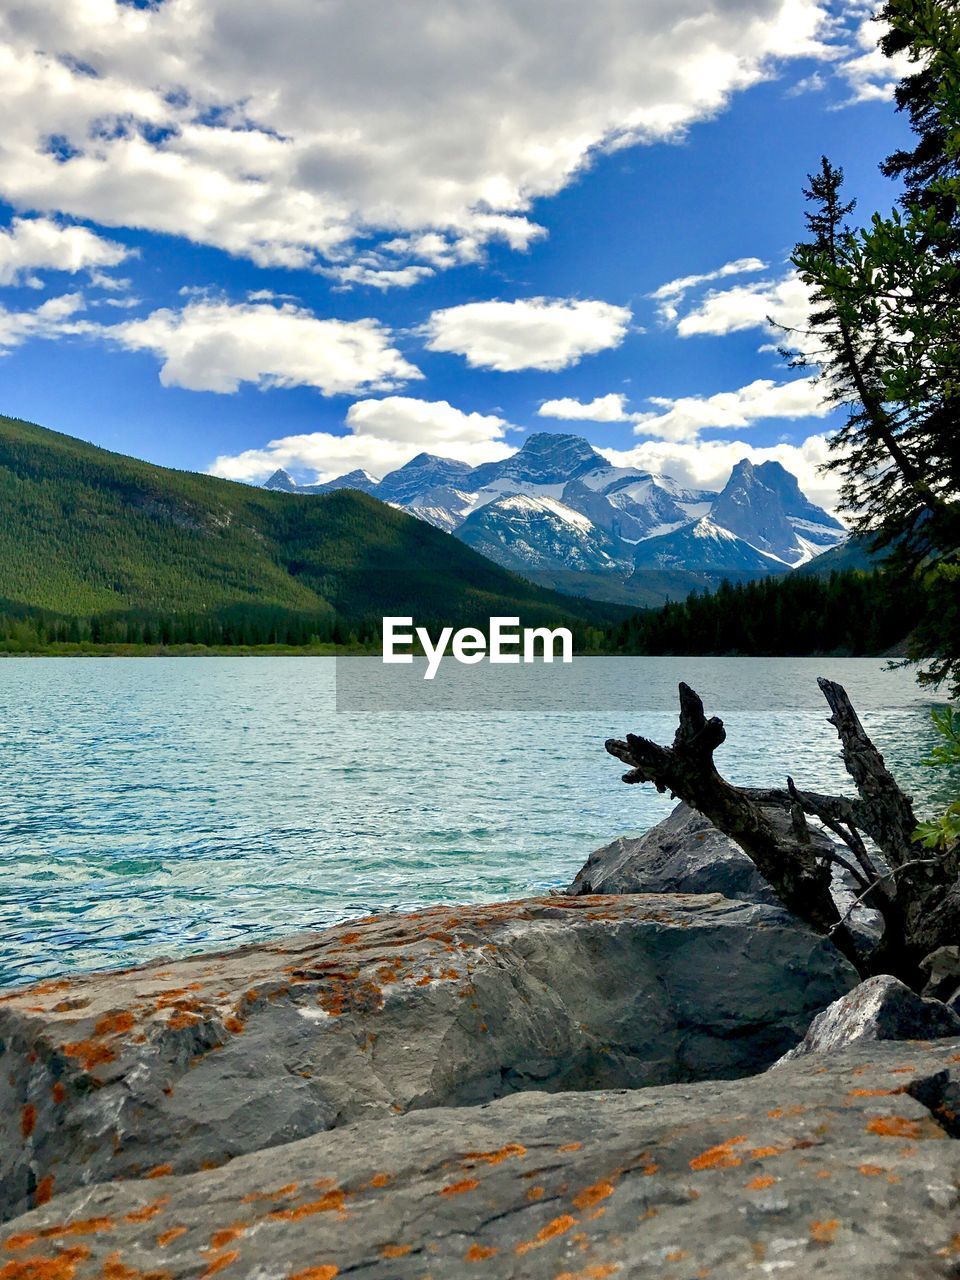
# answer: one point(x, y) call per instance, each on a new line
point(159, 806)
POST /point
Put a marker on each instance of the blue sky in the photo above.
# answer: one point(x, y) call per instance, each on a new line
point(345, 234)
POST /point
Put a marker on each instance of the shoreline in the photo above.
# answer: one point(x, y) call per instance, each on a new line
point(89, 650)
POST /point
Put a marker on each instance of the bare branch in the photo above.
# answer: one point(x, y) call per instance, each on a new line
point(918, 897)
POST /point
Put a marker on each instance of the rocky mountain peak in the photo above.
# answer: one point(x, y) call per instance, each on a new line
point(557, 506)
point(546, 457)
point(281, 480)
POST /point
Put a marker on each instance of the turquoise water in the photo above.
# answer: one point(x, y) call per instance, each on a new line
point(161, 806)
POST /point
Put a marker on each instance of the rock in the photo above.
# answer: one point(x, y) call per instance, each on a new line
point(840, 1168)
point(183, 1064)
point(881, 1008)
point(943, 983)
point(686, 853)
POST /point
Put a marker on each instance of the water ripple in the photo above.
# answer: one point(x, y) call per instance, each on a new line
point(165, 806)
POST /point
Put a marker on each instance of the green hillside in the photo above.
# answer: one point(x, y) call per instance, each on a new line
point(98, 537)
point(853, 554)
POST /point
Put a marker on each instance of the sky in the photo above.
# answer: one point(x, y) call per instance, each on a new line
point(321, 236)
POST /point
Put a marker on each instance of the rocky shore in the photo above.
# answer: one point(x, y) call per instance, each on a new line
point(581, 1086)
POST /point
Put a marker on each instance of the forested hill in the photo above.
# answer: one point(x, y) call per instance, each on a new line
point(86, 534)
point(849, 612)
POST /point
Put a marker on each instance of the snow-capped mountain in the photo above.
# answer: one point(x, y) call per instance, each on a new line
point(352, 480)
point(557, 507)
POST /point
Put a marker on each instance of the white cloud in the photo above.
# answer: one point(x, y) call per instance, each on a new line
point(872, 77)
point(532, 333)
point(683, 418)
point(41, 244)
point(686, 417)
point(786, 302)
point(382, 435)
point(609, 408)
point(377, 277)
point(815, 83)
point(282, 132)
point(52, 319)
point(707, 463)
point(670, 295)
point(212, 345)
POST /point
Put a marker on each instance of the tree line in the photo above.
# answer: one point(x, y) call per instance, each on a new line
point(848, 613)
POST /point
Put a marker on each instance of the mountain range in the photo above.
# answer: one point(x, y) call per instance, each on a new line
point(559, 513)
point(86, 533)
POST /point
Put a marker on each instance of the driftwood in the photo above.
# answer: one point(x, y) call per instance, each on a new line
point(917, 893)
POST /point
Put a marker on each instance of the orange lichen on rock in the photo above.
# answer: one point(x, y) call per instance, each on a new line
point(570, 1146)
point(82, 1227)
point(894, 1127)
point(396, 1250)
point(89, 1053)
point(220, 1239)
point(62, 1266)
point(221, 1263)
point(329, 1272)
point(171, 997)
point(234, 1024)
point(459, 1188)
point(114, 1024)
point(41, 989)
point(28, 1120)
point(168, 1237)
point(182, 1019)
point(764, 1153)
point(159, 1171)
point(332, 1202)
point(23, 1240)
point(556, 1227)
point(58, 1092)
point(148, 1211)
point(281, 1193)
point(480, 1253)
point(535, 1193)
point(44, 1191)
point(114, 1268)
point(599, 1271)
point(760, 1182)
point(824, 1232)
point(719, 1157)
point(512, 1149)
point(875, 1093)
point(591, 1196)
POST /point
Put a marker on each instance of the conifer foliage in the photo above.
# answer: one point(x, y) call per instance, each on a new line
point(885, 333)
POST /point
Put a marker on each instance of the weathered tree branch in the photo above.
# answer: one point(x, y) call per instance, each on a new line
point(796, 868)
point(886, 814)
point(917, 896)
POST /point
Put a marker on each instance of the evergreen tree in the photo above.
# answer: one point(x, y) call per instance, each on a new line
point(885, 331)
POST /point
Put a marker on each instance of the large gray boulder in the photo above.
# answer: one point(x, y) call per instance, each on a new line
point(178, 1065)
point(686, 853)
point(839, 1168)
point(942, 968)
point(881, 1008)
